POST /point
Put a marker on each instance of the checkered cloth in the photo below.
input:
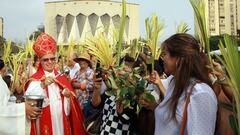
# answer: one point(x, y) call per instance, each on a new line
point(114, 123)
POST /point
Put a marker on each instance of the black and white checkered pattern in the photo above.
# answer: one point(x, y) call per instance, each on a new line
point(112, 125)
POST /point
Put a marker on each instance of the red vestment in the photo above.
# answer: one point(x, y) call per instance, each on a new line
point(73, 124)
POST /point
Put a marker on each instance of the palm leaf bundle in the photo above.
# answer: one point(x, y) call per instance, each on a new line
point(101, 47)
point(7, 51)
point(61, 50)
point(231, 61)
point(202, 31)
point(121, 31)
point(61, 53)
point(182, 28)
point(154, 28)
point(70, 49)
point(80, 48)
point(16, 61)
point(135, 48)
point(28, 53)
point(29, 48)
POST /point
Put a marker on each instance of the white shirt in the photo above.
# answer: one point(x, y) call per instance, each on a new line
point(54, 100)
point(12, 116)
point(202, 111)
point(74, 70)
point(5, 93)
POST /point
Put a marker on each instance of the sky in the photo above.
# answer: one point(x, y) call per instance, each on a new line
point(22, 17)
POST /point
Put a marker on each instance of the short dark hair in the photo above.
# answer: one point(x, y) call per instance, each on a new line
point(35, 59)
point(7, 79)
point(1, 64)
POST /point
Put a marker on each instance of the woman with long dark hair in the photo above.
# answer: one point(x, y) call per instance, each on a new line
point(184, 62)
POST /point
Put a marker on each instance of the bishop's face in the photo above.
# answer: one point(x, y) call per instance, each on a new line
point(48, 62)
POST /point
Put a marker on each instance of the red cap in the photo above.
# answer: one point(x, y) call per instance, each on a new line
point(44, 44)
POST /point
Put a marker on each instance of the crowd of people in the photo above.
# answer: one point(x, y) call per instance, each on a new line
point(186, 100)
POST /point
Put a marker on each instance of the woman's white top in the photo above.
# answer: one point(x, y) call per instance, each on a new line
point(201, 112)
point(5, 93)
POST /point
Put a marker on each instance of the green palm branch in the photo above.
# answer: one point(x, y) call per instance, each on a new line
point(182, 28)
point(28, 53)
point(16, 61)
point(121, 31)
point(29, 47)
point(80, 48)
point(135, 47)
point(202, 31)
point(70, 49)
point(7, 51)
point(154, 28)
point(101, 47)
point(231, 61)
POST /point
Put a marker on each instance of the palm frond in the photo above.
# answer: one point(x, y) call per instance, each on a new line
point(70, 49)
point(29, 47)
point(231, 61)
point(7, 51)
point(101, 47)
point(16, 61)
point(80, 48)
point(202, 31)
point(121, 31)
point(62, 53)
point(182, 28)
point(135, 47)
point(154, 28)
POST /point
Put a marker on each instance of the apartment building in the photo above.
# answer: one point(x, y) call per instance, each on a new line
point(223, 16)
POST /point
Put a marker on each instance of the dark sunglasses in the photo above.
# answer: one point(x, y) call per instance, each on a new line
point(49, 59)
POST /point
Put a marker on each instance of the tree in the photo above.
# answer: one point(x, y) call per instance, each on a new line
point(37, 32)
point(214, 41)
point(2, 42)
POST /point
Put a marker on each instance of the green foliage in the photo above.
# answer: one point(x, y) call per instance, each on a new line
point(215, 40)
point(7, 52)
point(234, 124)
point(231, 61)
point(127, 86)
point(135, 47)
point(182, 28)
point(200, 15)
point(149, 97)
point(37, 32)
point(154, 28)
point(2, 42)
point(202, 31)
point(121, 31)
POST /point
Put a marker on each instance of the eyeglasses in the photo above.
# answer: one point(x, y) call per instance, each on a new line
point(49, 59)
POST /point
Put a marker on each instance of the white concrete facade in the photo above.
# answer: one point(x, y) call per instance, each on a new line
point(80, 20)
point(1, 26)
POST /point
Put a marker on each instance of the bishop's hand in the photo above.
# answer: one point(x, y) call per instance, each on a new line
point(32, 112)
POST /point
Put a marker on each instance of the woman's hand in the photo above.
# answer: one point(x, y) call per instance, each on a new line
point(119, 107)
point(155, 78)
point(218, 71)
point(96, 97)
point(147, 104)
